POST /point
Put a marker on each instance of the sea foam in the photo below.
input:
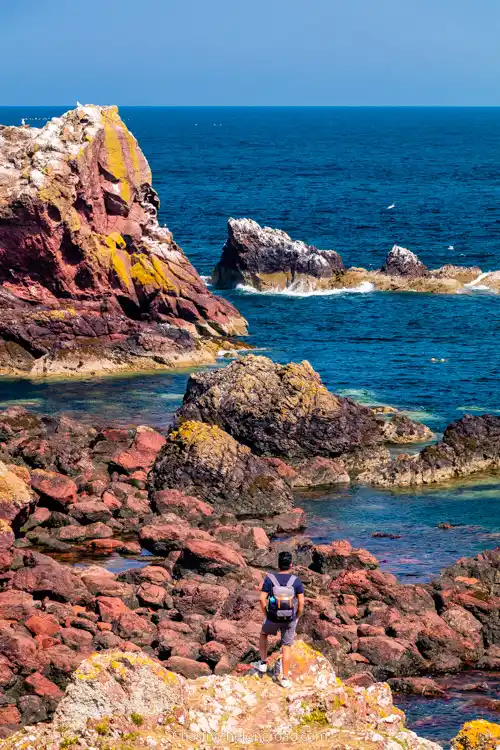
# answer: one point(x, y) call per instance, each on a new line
point(298, 290)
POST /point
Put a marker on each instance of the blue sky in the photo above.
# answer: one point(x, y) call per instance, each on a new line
point(255, 52)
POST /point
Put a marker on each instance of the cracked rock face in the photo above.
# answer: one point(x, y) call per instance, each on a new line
point(82, 255)
point(263, 257)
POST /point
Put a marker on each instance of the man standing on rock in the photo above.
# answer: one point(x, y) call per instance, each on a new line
point(282, 603)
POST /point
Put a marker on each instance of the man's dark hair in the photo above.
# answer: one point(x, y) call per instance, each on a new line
point(284, 560)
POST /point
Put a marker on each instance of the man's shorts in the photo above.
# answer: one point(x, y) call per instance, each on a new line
point(287, 630)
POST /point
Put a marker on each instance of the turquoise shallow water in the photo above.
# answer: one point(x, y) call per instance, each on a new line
point(327, 176)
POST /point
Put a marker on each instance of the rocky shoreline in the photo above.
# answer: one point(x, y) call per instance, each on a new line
point(268, 259)
point(89, 280)
point(211, 500)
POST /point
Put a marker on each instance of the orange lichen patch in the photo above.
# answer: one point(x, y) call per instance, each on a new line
point(477, 735)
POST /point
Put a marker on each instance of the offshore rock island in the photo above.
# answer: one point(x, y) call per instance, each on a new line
point(268, 259)
point(89, 280)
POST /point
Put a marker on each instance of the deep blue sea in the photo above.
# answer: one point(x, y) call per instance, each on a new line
point(327, 176)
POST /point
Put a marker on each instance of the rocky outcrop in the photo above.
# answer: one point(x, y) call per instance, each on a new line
point(400, 429)
point(118, 695)
point(279, 410)
point(468, 446)
point(269, 260)
point(88, 278)
point(266, 258)
point(477, 735)
point(205, 461)
point(284, 412)
point(402, 262)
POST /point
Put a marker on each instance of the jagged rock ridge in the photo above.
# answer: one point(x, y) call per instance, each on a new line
point(114, 694)
point(268, 259)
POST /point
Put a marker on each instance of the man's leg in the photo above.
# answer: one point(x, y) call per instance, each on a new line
point(285, 660)
point(263, 646)
point(287, 636)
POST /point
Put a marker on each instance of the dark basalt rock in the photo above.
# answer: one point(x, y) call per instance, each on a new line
point(254, 255)
point(279, 410)
point(469, 445)
point(205, 461)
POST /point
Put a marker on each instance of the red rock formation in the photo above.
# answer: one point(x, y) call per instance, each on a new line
point(84, 264)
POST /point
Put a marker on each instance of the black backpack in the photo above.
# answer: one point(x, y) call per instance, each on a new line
point(282, 603)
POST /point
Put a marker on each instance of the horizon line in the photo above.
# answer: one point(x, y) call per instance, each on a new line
point(264, 106)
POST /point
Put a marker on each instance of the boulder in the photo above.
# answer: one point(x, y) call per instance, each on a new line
point(163, 538)
point(16, 498)
point(46, 577)
point(54, 487)
point(88, 278)
point(210, 557)
point(174, 501)
point(203, 460)
point(117, 682)
point(265, 258)
point(278, 410)
point(477, 735)
point(400, 429)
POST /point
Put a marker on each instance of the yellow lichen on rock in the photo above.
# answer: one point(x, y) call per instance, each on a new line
point(478, 735)
point(192, 433)
point(15, 493)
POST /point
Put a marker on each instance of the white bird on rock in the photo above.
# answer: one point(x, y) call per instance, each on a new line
point(79, 104)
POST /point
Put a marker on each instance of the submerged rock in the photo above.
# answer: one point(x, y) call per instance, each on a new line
point(265, 258)
point(88, 278)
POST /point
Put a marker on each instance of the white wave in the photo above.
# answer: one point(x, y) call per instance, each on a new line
point(362, 395)
point(299, 290)
point(207, 280)
point(476, 286)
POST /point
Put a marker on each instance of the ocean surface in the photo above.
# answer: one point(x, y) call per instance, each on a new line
point(327, 176)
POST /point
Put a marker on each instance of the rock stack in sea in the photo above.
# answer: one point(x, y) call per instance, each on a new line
point(265, 258)
point(269, 260)
point(89, 280)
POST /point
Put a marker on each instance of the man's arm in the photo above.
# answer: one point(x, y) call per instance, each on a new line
point(300, 604)
point(263, 602)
